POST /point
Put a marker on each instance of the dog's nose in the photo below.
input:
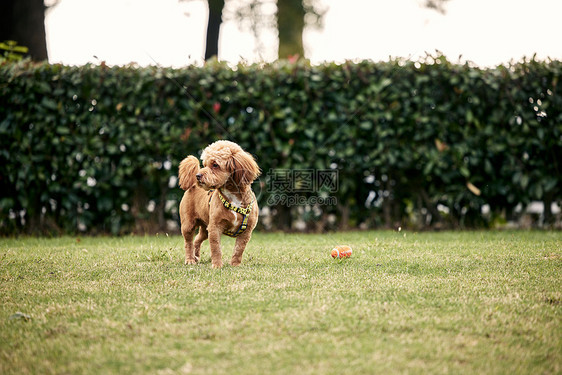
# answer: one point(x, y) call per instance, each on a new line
point(198, 176)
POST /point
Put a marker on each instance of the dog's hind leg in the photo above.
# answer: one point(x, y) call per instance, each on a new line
point(187, 231)
point(201, 236)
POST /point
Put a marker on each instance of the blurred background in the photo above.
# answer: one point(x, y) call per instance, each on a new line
point(174, 32)
point(426, 114)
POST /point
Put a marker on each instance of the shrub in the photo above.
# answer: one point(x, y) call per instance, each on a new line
point(96, 148)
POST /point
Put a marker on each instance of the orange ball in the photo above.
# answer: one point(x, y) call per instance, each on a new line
point(341, 251)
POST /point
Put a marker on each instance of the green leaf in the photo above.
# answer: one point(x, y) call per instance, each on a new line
point(49, 103)
point(366, 125)
point(524, 182)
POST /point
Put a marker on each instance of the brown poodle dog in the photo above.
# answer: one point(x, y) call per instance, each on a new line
point(218, 199)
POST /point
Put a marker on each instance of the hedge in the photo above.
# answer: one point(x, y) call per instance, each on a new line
point(429, 143)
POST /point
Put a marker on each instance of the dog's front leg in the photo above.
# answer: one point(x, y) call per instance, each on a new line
point(215, 244)
point(239, 248)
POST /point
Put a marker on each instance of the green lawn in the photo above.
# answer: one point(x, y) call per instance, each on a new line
point(419, 303)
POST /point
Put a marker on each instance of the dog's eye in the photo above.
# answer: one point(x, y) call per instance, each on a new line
point(215, 165)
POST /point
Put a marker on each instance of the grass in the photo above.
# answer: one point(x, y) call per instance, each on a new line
point(418, 303)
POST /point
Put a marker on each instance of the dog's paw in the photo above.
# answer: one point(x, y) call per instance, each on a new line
point(190, 261)
point(235, 262)
point(217, 264)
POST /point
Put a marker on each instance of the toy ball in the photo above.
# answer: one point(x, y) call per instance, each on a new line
point(341, 251)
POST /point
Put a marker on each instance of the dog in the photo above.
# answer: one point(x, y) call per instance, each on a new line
point(219, 200)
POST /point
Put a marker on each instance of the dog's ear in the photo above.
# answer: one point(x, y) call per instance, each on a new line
point(243, 168)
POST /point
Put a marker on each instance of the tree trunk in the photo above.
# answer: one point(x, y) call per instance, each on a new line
point(213, 28)
point(290, 23)
point(24, 22)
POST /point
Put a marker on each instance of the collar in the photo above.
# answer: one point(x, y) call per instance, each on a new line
point(230, 206)
point(245, 212)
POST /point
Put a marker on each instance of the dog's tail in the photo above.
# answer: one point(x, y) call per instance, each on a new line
point(189, 167)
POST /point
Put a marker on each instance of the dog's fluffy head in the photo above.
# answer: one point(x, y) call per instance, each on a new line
point(226, 163)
